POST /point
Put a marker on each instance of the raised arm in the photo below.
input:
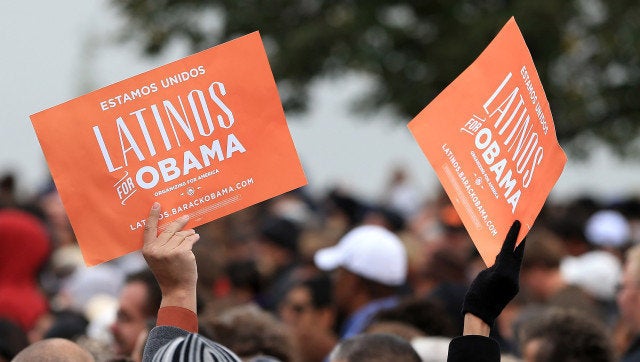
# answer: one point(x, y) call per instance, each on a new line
point(171, 260)
point(487, 296)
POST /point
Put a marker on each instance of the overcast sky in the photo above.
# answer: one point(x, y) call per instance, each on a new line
point(53, 51)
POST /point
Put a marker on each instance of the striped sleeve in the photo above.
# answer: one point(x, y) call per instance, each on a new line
point(194, 348)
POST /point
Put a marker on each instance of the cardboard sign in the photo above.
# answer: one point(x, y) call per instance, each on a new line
point(204, 136)
point(491, 140)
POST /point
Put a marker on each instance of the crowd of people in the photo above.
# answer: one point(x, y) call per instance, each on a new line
point(334, 277)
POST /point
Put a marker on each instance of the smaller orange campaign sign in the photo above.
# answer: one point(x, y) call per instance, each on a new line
point(205, 136)
point(491, 140)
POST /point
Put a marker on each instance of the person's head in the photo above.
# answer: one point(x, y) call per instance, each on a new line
point(374, 348)
point(24, 248)
point(54, 350)
point(139, 301)
point(370, 263)
point(249, 331)
point(277, 245)
point(559, 335)
point(540, 275)
point(629, 290)
point(308, 304)
point(428, 316)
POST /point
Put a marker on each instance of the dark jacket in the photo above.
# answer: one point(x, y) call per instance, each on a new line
point(473, 348)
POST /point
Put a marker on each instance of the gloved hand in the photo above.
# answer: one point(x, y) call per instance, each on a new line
point(496, 286)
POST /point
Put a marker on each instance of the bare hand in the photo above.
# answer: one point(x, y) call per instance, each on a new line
point(171, 259)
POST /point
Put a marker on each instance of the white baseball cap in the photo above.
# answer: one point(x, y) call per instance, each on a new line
point(369, 251)
point(608, 228)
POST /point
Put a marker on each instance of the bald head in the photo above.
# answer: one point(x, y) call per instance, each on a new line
point(54, 350)
point(374, 348)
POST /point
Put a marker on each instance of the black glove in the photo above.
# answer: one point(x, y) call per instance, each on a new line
point(494, 287)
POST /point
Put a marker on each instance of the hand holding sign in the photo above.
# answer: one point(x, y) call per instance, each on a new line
point(171, 259)
point(496, 286)
point(205, 136)
point(491, 140)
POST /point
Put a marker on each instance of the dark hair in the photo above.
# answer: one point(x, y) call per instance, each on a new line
point(374, 348)
point(281, 232)
point(154, 295)
point(567, 336)
point(320, 289)
point(12, 339)
point(250, 331)
point(542, 252)
point(244, 274)
point(426, 315)
point(68, 324)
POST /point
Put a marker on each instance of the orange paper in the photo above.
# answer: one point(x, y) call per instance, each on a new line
point(204, 136)
point(491, 140)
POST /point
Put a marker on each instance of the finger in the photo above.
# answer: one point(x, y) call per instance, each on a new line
point(173, 240)
point(512, 237)
point(176, 238)
point(185, 233)
point(174, 226)
point(519, 252)
point(151, 225)
point(187, 242)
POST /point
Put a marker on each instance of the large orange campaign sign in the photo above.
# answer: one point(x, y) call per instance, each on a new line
point(204, 136)
point(491, 140)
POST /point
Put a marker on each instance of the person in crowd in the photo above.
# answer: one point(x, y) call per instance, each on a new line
point(628, 301)
point(138, 302)
point(8, 197)
point(251, 332)
point(12, 340)
point(598, 270)
point(374, 348)
point(308, 310)
point(563, 335)
point(425, 314)
point(276, 258)
point(370, 264)
point(54, 350)
point(170, 257)
point(24, 249)
point(543, 282)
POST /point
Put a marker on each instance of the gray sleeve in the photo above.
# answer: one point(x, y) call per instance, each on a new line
point(158, 337)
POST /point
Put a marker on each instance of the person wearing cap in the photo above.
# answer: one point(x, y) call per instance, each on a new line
point(369, 263)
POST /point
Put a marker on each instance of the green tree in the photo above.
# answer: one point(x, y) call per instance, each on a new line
point(586, 51)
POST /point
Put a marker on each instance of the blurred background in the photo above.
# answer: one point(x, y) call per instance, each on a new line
point(351, 75)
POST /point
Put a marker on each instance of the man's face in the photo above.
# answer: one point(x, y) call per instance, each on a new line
point(629, 297)
point(344, 285)
point(297, 308)
point(530, 350)
point(131, 318)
